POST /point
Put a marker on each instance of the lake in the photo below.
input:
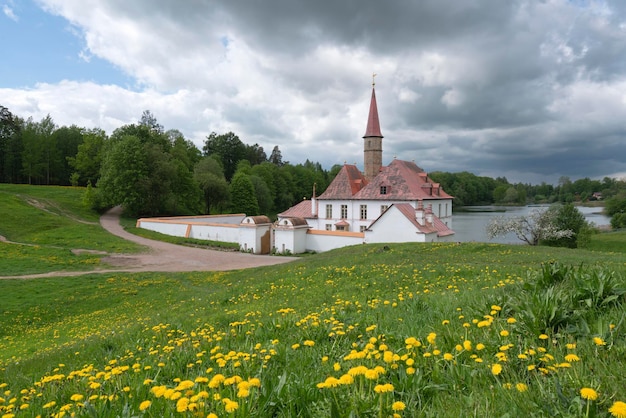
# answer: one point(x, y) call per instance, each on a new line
point(472, 225)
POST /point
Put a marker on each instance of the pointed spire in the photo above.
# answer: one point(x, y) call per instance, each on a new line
point(373, 125)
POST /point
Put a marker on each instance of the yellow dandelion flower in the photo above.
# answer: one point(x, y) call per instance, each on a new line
point(588, 394)
point(230, 406)
point(212, 415)
point(49, 405)
point(618, 409)
point(467, 345)
point(480, 346)
point(295, 346)
point(371, 374)
point(448, 356)
point(184, 385)
point(543, 337)
point(309, 343)
point(144, 405)
point(511, 320)
point(398, 406)
point(521, 387)
point(504, 333)
point(431, 338)
point(570, 346)
point(336, 367)
point(387, 387)
point(445, 322)
point(410, 370)
point(598, 341)
point(77, 397)
point(496, 369)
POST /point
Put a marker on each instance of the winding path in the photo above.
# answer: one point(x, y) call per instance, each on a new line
point(165, 257)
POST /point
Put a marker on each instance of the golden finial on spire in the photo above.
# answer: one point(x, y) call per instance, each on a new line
point(374, 79)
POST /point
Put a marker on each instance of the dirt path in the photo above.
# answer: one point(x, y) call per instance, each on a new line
point(162, 256)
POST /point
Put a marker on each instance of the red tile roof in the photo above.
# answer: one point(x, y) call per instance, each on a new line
point(373, 124)
point(348, 181)
point(402, 180)
point(301, 210)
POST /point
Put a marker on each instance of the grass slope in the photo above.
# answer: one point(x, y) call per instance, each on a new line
point(372, 330)
point(49, 222)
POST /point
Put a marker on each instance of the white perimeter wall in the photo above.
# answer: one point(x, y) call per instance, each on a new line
point(225, 232)
point(321, 241)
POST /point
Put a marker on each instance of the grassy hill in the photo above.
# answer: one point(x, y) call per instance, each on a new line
point(373, 330)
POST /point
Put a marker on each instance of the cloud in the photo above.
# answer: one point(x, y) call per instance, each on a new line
point(8, 12)
point(534, 89)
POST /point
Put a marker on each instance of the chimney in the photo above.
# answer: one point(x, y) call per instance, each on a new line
point(419, 213)
point(429, 214)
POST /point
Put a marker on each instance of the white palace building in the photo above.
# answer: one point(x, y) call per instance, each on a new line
point(394, 203)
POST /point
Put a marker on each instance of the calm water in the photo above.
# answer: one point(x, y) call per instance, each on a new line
point(471, 226)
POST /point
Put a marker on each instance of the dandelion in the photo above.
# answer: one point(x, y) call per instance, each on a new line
point(496, 369)
point(543, 337)
point(49, 405)
point(387, 387)
point(618, 409)
point(448, 356)
point(431, 338)
point(598, 341)
point(521, 387)
point(144, 405)
point(76, 397)
point(571, 358)
point(511, 320)
point(504, 333)
point(480, 346)
point(398, 406)
point(588, 394)
point(230, 406)
point(309, 343)
point(295, 346)
point(336, 367)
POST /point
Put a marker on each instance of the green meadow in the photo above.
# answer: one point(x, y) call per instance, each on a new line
point(402, 330)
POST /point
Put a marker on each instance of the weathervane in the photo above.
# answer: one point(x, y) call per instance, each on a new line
point(374, 79)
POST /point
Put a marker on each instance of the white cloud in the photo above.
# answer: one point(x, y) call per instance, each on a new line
point(8, 12)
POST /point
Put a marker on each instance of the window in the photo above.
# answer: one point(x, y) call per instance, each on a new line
point(329, 211)
point(383, 208)
point(383, 189)
point(363, 228)
point(329, 227)
point(363, 211)
point(344, 211)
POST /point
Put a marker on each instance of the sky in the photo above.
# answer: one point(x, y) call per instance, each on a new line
point(530, 90)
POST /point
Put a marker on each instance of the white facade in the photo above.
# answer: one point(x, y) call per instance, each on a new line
point(359, 214)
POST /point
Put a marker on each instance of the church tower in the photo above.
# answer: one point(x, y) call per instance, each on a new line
point(373, 142)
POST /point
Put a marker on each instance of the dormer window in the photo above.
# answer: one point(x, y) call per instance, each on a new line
point(383, 189)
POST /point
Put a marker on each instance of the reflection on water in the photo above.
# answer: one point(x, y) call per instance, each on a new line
point(472, 225)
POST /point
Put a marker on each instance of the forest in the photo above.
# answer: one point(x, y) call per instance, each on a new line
point(154, 171)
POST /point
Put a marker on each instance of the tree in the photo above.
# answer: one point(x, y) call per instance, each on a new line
point(228, 148)
point(255, 154)
point(88, 159)
point(67, 140)
point(243, 197)
point(276, 157)
point(538, 226)
point(568, 217)
point(10, 146)
point(209, 175)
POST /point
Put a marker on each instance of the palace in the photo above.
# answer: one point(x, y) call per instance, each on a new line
point(394, 203)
